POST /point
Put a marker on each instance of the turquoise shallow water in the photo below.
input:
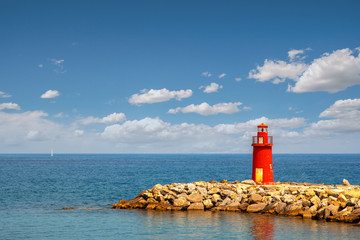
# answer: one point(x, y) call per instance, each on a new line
point(35, 188)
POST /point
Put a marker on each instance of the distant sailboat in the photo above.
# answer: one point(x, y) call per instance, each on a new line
point(52, 153)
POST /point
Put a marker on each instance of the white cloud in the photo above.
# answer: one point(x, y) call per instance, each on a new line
point(293, 54)
point(343, 109)
point(110, 119)
point(205, 109)
point(206, 74)
point(222, 75)
point(155, 135)
point(332, 73)
point(4, 95)
point(15, 128)
point(238, 79)
point(161, 95)
point(50, 94)
point(40, 65)
point(9, 106)
point(78, 133)
point(345, 114)
point(59, 64)
point(32, 132)
point(277, 71)
point(60, 115)
point(213, 87)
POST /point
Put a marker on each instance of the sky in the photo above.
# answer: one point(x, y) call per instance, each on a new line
point(179, 76)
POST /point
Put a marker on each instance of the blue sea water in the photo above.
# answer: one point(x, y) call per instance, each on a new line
point(35, 188)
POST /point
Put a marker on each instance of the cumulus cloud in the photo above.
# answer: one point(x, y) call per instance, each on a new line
point(161, 95)
point(213, 87)
point(294, 54)
point(238, 79)
point(17, 127)
point(278, 71)
point(110, 119)
point(333, 72)
point(149, 134)
point(9, 106)
point(206, 74)
point(343, 109)
point(205, 109)
point(222, 75)
point(50, 94)
point(4, 95)
point(344, 120)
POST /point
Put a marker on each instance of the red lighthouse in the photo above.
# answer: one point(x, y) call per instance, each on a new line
point(262, 172)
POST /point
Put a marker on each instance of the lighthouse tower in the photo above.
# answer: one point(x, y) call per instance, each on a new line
point(262, 172)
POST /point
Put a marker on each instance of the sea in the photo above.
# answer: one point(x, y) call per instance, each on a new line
point(34, 189)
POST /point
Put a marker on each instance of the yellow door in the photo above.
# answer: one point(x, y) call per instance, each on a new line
point(261, 140)
point(259, 175)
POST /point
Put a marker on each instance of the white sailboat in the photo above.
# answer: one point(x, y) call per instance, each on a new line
point(52, 153)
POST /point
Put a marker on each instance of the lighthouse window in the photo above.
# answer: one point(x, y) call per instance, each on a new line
point(261, 140)
point(262, 129)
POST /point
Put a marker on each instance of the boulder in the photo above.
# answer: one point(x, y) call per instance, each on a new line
point(213, 191)
point(195, 197)
point(215, 198)
point(243, 206)
point(234, 206)
point(196, 206)
point(178, 189)
point(330, 212)
point(257, 207)
point(208, 203)
point(280, 208)
point(255, 198)
point(293, 209)
point(353, 217)
point(288, 198)
point(202, 190)
point(181, 202)
point(307, 213)
point(249, 182)
point(346, 182)
point(226, 193)
point(225, 202)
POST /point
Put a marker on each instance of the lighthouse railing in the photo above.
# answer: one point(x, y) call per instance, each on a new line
point(255, 140)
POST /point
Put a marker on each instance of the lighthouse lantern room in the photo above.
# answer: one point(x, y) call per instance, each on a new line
point(262, 172)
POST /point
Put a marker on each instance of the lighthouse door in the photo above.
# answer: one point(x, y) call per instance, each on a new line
point(259, 175)
point(261, 140)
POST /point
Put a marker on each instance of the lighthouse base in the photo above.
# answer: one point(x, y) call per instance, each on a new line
point(266, 183)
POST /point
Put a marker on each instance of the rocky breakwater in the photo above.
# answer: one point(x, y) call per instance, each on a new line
point(314, 201)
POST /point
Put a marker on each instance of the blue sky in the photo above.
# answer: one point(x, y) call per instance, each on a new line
point(179, 76)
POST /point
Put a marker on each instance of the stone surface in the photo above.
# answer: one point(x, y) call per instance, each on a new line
point(196, 206)
point(257, 207)
point(314, 201)
point(255, 198)
point(346, 182)
point(208, 203)
point(181, 202)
